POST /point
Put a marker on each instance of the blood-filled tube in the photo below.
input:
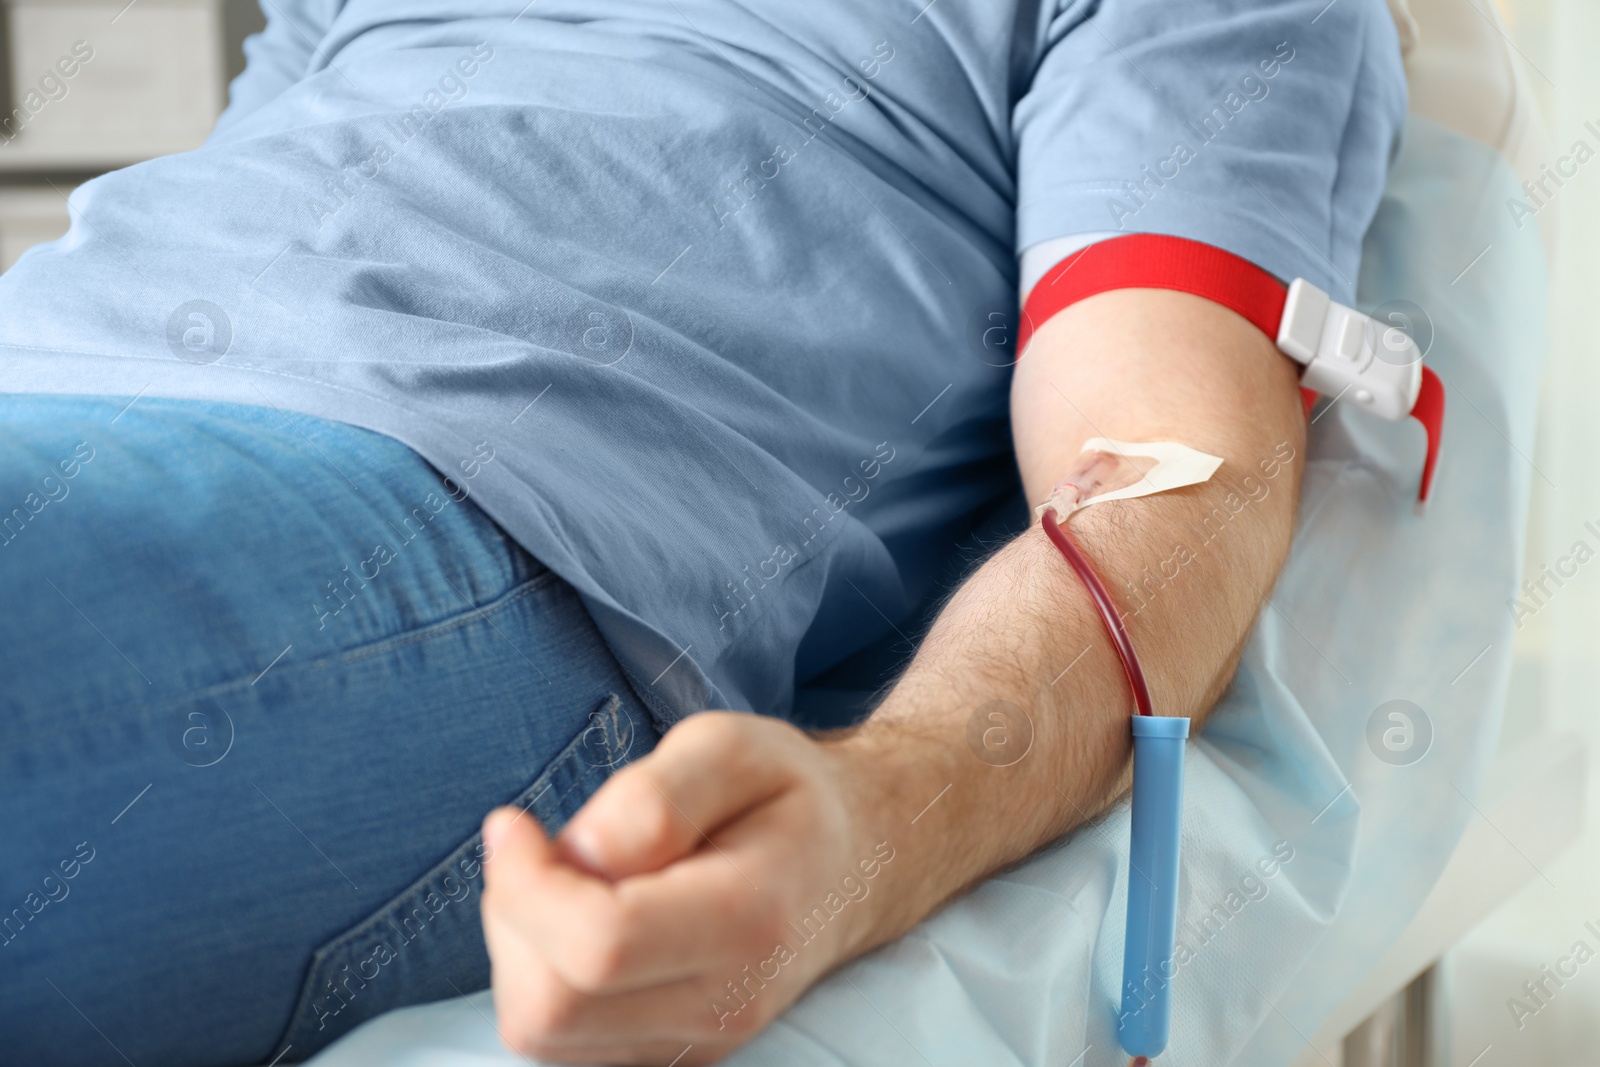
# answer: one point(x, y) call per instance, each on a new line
point(1148, 956)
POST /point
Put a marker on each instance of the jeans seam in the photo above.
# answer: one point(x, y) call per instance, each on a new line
point(434, 629)
point(660, 711)
point(366, 925)
point(412, 636)
point(328, 952)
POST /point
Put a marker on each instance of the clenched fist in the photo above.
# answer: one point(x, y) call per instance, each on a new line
point(696, 895)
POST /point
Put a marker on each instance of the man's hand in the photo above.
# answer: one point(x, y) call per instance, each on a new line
point(619, 942)
point(698, 893)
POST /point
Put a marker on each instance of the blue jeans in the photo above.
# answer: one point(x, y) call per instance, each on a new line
point(261, 677)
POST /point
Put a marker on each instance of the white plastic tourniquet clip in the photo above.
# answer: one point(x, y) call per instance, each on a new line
point(1350, 355)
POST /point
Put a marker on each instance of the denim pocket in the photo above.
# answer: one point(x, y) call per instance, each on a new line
point(427, 943)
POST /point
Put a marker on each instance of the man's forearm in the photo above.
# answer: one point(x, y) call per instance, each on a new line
point(1021, 649)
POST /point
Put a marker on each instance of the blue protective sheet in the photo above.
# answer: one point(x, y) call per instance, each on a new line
point(1376, 604)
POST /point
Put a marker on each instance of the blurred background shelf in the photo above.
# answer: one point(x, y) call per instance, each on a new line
point(90, 86)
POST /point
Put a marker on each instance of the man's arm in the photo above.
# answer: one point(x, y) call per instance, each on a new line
point(1137, 365)
point(705, 887)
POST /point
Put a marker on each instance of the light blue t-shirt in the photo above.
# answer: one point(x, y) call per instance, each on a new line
point(707, 302)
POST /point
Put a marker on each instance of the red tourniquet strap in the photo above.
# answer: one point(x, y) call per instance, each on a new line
point(1429, 410)
point(1308, 400)
point(1156, 261)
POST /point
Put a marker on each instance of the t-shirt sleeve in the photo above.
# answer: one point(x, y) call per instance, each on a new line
point(1263, 127)
point(279, 55)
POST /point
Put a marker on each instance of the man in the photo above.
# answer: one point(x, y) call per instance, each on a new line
point(700, 313)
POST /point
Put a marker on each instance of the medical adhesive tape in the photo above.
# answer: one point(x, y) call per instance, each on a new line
point(1343, 353)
